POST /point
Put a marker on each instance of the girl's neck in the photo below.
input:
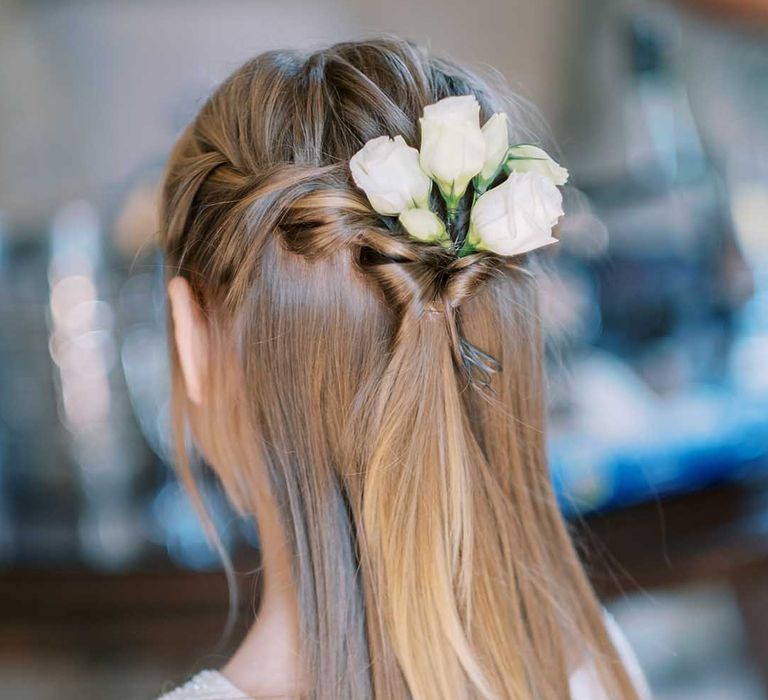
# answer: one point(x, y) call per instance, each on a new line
point(267, 661)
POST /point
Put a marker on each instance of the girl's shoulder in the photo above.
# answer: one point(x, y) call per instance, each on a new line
point(584, 681)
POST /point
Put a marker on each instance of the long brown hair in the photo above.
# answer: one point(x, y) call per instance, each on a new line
point(430, 558)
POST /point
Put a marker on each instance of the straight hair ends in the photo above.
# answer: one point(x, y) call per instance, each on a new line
point(431, 560)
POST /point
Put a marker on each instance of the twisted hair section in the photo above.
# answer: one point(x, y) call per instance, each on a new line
point(390, 392)
point(316, 213)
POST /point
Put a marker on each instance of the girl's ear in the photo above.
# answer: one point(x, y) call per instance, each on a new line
point(191, 335)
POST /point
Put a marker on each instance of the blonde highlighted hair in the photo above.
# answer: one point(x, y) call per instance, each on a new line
point(430, 558)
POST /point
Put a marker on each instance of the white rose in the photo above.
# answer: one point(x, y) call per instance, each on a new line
point(496, 138)
point(452, 144)
point(388, 171)
point(525, 158)
point(424, 225)
point(516, 216)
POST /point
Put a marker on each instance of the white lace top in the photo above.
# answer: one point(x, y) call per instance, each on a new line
point(584, 684)
point(206, 685)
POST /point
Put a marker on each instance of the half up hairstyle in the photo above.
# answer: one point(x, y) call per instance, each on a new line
point(430, 558)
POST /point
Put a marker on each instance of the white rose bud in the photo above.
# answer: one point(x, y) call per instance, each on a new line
point(388, 171)
point(452, 144)
point(525, 158)
point(496, 138)
point(424, 225)
point(516, 216)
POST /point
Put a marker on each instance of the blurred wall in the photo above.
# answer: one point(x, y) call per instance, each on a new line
point(92, 92)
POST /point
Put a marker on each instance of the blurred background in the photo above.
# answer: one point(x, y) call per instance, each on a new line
point(656, 320)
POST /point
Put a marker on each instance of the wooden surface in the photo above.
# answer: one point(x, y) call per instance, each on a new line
point(110, 614)
point(718, 533)
point(176, 617)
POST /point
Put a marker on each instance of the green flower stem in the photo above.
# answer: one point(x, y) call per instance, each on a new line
point(481, 185)
point(452, 212)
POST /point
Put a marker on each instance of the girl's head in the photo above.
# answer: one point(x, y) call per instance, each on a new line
point(429, 557)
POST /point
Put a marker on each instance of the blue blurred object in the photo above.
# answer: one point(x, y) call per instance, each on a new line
point(675, 457)
point(668, 393)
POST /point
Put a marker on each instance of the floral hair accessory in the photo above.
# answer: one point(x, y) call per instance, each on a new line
point(510, 217)
point(388, 171)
